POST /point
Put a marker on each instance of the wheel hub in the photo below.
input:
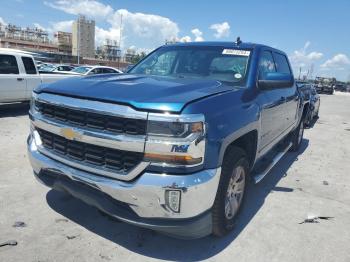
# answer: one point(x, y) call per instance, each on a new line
point(234, 194)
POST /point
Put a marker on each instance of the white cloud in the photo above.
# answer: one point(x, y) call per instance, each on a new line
point(89, 8)
point(101, 35)
point(146, 30)
point(301, 58)
point(221, 30)
point(65, 26)
point(337, 62)
point(151, 30)
point(197, 34)
point(2, 21)
point(185, 39)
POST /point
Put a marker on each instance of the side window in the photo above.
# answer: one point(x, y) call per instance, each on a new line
point(109, 71)
point(95, 71)
point(29, 65)
point(282, 63)
point(266, 64)
point(8, 65)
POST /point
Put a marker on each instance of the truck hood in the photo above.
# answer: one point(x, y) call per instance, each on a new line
point(141, 92)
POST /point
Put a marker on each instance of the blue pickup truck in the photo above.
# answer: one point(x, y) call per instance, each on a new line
point(172, 144)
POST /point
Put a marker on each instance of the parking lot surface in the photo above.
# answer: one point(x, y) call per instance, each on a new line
point(314, 182)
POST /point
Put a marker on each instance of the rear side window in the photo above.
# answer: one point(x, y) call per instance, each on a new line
point(282, 63)
point(109, 71)
point(96, 71)
point(266, 64)
point(8, 65)
point(29, 65)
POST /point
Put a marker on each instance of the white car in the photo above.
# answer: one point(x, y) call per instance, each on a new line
point(94, 70)
point(56, 69)
point(19, 76)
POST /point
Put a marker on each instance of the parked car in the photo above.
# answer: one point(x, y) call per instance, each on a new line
point(340, 87)
point(314, 106)
point(41, 65)
point(56, 69)
point(171, 145)
point(19, 76)
point(95, 70)
point(325, 84)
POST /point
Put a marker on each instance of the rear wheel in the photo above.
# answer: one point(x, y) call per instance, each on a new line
point(231, 191)
point(308, 118)
point(297, 136)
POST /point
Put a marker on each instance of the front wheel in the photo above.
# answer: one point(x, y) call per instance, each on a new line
point(231, 191)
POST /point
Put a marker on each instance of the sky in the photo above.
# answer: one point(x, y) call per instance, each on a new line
point(314, 34)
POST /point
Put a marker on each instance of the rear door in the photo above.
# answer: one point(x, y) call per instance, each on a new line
point(32, 76)
point(12, 83)
point(272, 107)
point(290, 94)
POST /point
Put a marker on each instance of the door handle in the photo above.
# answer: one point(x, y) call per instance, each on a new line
point(20, 79)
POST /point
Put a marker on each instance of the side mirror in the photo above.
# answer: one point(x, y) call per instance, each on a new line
point(276, 80)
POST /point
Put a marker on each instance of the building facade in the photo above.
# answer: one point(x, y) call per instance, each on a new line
point(64, 42)
point(83, 38)
point(30, 39)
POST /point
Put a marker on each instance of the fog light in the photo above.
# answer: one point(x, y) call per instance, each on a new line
point(173, 198)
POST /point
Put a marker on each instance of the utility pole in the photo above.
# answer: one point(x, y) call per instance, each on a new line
point(120, 39)
point(78, 47)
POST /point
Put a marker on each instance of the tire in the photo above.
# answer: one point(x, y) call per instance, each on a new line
point(318, 110)
point(308, 118)
point(297, 136)
point(234, 177)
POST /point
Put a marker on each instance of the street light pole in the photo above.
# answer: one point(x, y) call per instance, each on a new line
point(78, 41)
point(120, 39)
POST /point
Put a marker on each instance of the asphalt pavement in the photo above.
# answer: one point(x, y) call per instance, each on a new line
point(299, 212)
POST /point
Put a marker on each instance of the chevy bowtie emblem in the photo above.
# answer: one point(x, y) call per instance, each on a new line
point(69, 133)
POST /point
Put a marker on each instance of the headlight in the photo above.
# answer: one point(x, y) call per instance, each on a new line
point(173, 129)
point(175, 140)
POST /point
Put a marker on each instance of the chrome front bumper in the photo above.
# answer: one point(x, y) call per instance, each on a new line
point(145, 195)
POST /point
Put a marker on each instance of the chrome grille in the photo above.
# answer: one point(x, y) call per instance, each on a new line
point(98, 156)
point(92, 120)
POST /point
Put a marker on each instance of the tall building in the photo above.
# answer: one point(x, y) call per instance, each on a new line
point(64, 42)
point(83, 37)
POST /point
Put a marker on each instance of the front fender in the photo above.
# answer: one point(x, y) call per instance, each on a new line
point(228, 116)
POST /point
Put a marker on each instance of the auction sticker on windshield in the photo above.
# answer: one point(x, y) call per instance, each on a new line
point(235, 52)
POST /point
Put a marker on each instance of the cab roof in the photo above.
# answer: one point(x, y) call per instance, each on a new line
point(226, 44)
point(217, 43)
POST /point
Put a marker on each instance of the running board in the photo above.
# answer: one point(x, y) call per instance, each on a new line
point(258, 177)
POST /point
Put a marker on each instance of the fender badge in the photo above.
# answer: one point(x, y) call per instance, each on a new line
point(180, 148)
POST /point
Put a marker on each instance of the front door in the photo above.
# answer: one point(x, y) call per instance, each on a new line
point(12, 84)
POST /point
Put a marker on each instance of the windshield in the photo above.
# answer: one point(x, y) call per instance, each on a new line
point(215, 63)
point(48, 68)
point(81, 69)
